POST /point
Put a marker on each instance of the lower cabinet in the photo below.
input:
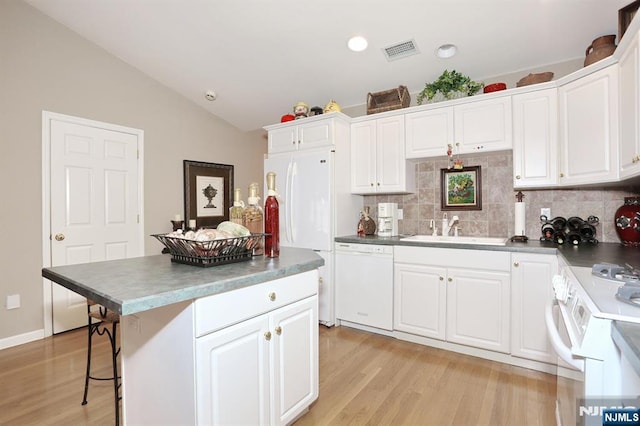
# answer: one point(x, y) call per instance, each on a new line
point(461, 296)
point(245, 356)
point(239, 365)
point(531, 275)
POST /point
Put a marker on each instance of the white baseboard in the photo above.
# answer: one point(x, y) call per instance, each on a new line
point(21, 339)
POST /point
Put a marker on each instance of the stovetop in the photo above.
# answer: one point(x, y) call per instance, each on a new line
point(601, 288)
point(626, 276)
point(623, 274)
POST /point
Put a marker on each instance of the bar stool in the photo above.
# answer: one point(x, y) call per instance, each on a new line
point(103, 321)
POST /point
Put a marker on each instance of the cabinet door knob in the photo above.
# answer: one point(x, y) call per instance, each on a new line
point(516, 264)
point(517, 176)
point(267, 335)
point(561, 174)
point(59, 237)
point(441, 278)
point(371, 183)
point(272, 296)
point(378, 183)
point(278, 330)
point(449, 279)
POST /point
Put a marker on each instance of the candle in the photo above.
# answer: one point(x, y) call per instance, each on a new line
point(192, 223)
point(177, 218)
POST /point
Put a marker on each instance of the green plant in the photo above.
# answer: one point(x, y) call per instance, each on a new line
point(447, 83)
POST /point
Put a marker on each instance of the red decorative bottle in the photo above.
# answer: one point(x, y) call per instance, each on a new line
point(271, 219)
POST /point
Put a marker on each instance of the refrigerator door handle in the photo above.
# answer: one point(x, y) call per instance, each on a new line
point(292, 219)
point(287, 210)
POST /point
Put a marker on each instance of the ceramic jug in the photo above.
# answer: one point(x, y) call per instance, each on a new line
point(600, 48)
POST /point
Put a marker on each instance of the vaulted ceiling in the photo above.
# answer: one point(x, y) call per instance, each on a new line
point(262, 56)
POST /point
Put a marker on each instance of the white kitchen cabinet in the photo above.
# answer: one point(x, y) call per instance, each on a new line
point(246, 356)
point(629, 74)
point(588, 111)
point(478, 308)
point(237, 367)
point(531, 276)
point(483, 125)
point(468, 127)
point(420, 300)
point(378, 164)
point(461, 296)
point(307, 133)
point(429, 132)
point(535, 139)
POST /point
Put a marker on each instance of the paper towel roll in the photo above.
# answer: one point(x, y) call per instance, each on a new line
point(521, 224)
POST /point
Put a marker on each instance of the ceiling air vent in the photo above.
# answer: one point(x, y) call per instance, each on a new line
point(400, 50)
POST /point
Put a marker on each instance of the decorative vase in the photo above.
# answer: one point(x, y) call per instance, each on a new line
point(600, 48)
point(628, 222)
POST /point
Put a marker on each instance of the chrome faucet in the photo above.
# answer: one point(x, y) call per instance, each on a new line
point(446, 226)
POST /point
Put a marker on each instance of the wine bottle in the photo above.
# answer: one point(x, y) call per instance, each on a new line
point(559, 237)
point(271, 219)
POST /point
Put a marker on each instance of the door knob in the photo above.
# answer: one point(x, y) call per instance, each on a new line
point(517, 176)
point(278, 330)
point(267, 335)
point(59, 237)
point(272, 296)
point(516, 264)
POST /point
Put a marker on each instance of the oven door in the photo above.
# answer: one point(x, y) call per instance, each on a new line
point(570, 370)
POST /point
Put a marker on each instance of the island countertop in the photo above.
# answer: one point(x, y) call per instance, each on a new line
point(133, 285)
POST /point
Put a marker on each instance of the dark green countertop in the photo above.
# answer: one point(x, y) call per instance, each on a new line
point(133, 285)
point(583, 255)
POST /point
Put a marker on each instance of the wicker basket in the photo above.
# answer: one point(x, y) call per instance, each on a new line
point(210, 253)
point(388, 100)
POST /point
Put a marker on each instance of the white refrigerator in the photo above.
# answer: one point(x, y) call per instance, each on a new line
point(316, 205)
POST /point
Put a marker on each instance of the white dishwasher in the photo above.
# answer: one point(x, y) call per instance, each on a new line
point(364, 284)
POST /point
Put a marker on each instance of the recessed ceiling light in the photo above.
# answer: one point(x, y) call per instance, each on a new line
point(357, 43)
point(446, 51)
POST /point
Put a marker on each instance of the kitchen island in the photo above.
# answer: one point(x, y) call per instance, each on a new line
point(234, 343)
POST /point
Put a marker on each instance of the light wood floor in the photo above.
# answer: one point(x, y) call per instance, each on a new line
point(364, 379)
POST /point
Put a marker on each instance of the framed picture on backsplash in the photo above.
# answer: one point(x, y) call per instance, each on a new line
point(461, 189)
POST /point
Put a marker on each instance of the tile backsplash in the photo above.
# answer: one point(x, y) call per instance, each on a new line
point(496, 219)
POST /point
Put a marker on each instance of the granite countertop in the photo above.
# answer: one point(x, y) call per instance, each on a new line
point(626, 336)
point(585, 255)
point(133, 285)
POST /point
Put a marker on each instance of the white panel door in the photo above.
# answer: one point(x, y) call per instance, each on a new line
point(233, 375)
point(94, 205)
point(294, 359)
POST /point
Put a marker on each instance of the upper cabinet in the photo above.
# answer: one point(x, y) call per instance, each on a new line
point(429, 132)
point(535, 139)
point(629, 74)
point(378, 163)
point(483, 125)
point(307, 133)
point(588, 109)
point(469, 127)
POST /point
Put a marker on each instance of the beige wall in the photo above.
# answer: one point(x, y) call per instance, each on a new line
point(44, 66)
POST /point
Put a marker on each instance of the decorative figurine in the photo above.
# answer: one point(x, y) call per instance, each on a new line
point(332, 106)
point(301, 110)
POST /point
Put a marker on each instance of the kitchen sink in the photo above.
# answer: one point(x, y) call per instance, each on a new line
point(492, 241)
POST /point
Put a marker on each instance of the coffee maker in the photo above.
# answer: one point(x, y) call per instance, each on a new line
point(387, 219)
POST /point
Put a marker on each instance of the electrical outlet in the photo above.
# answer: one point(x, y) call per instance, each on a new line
point(545, 211)
point(13, 301)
